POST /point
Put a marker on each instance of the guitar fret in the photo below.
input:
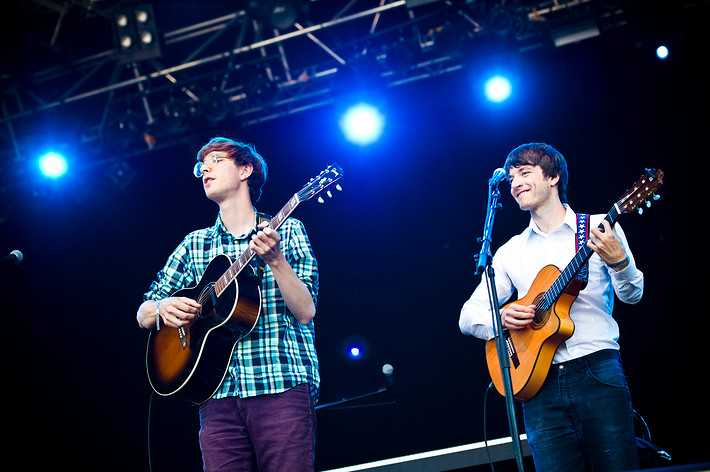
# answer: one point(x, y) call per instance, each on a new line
point(249, 254)
point(566, 275)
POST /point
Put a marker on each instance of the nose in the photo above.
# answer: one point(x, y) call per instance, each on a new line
point(206, 168)
point(514, 181)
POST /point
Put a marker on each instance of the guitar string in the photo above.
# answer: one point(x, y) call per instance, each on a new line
point(611, 217)
point(236, 268)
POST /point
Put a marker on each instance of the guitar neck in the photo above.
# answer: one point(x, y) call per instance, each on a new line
point(246, 257)
point(575, 265)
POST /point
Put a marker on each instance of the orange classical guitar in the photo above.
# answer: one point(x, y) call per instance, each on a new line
point(530, 350)
point(190, 362)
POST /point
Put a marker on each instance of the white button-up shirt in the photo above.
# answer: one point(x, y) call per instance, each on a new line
point(517, 263)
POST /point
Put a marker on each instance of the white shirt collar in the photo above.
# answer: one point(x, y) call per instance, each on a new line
point(569, 220)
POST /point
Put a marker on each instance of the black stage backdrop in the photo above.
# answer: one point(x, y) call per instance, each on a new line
point(396, 251)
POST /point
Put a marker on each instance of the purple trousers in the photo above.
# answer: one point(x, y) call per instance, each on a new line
point(266, 433)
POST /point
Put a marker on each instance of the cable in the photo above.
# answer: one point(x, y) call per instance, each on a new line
point(150, 408)
point(485, 425)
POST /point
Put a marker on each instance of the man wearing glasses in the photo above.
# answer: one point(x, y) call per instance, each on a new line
point(263, 414)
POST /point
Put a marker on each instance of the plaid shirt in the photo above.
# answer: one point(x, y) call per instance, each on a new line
point(280, 352)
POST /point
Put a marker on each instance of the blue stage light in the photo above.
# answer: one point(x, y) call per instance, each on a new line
point(498, 89)
point(662, 52)
point(355, 352)
point(362, 124)
point(53, 165)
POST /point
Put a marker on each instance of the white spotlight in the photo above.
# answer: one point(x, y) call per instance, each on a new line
point(53, 165)
point(498, 89)
point(362, 124)
point(662, 52)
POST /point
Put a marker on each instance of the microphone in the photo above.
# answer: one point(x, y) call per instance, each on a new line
point(387, 369)
point(12, 259)
point(483, 257)
point(497, 178)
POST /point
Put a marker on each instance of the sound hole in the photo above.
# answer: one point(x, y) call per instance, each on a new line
point(541, 314)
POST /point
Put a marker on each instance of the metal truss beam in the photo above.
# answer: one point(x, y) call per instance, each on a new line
point(235, 66)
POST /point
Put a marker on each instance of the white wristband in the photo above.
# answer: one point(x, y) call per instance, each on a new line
point(157, 316)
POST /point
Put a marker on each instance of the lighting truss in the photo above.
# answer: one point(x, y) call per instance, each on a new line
point(236, 66)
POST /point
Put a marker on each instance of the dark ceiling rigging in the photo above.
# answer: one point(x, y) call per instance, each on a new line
point(130, 76)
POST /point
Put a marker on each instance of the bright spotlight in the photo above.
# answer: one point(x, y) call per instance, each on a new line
point(662, 52)
point(362, 124)
point(355, 352)
point(498, 89)
point(53, 165)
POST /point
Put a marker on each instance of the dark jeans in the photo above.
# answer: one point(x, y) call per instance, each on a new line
point(266, 433)
point(582, 417)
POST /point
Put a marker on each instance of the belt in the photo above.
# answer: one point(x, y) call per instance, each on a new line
point(583, 362)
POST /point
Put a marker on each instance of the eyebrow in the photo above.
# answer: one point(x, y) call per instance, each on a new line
point(215, 154)
point(520, 167)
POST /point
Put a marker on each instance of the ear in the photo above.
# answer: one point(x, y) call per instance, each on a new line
point(246, 171)
point(554, 180)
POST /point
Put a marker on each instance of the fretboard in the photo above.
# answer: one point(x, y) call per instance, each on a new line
point(575, 265)
point(238, 265)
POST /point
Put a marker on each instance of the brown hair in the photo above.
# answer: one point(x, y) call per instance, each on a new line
point(551, 161)
point(243, 154)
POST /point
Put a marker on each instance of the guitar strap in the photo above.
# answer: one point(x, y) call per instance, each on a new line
point(582, 237)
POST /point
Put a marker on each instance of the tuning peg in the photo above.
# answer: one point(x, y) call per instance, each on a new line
point(338, 188)
point(320, 200)
point(330, 195)
point(648, 204)
point(656, 197)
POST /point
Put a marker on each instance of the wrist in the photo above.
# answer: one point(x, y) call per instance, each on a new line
point(617, 265)
point(157, 316)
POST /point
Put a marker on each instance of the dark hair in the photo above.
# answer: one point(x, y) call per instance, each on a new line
point(551, 161)
point(243, 154)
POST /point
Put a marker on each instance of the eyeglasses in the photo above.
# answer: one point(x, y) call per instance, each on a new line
point(209, 161)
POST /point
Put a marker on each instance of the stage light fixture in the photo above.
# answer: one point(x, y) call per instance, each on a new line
point(53, 165)
point(279, 14)
point(355, 348)
point(126, 42)
point(261, 91)
point(498, 89)
point(501, 21)
point(141, 16)
point(136, 34)
point(121, 20)
point(174, 114)
point(214, 106)
point(362, 124)
point(121, 174)
point(355, 352)
point(662, 52)
point(146, 37)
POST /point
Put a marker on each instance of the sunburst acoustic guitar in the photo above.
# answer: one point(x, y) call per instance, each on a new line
point(191, 363)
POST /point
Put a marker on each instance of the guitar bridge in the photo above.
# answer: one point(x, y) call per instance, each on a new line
point(182, 334)
point(512, 353)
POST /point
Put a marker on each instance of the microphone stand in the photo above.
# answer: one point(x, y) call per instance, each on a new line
point(484, 264)
point(358, 397)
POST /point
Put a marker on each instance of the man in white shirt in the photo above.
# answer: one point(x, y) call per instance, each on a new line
point(582, 414)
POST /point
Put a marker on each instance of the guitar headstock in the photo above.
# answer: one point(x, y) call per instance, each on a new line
point(642, 190)
point(325, 179)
